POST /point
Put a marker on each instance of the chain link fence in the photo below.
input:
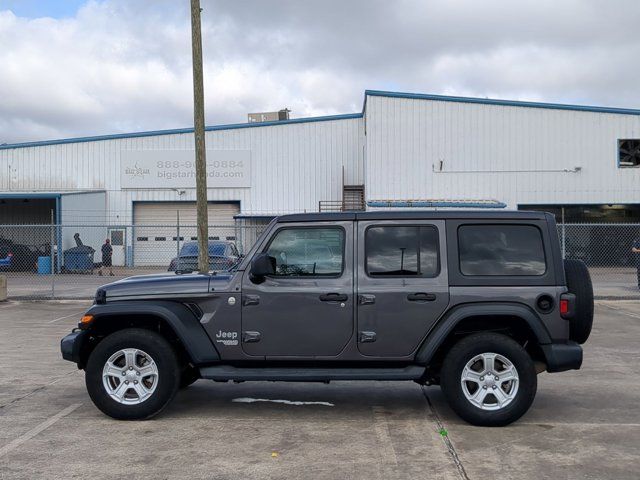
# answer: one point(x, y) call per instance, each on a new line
point(74, 267)
point(607, 249)
point(80, 260)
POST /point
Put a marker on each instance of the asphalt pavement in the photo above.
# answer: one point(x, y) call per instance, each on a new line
point(583, 424)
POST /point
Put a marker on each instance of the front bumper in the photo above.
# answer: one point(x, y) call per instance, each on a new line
point(562, 356)
point(71, 345)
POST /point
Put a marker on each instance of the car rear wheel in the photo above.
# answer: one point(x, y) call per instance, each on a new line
point(488, 379)
point(132, 374)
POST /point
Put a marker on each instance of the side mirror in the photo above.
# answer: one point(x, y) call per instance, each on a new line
point(261, 266)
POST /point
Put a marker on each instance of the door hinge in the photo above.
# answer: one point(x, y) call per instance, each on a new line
point(366, 299)
point(250, 300)
point(250, 337)
point(367, 337)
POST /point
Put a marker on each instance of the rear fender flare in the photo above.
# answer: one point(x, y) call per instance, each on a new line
point(176, 315)
point(445, 326)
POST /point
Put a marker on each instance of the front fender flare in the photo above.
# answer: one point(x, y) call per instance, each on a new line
point(181, 320)
point(445, 326)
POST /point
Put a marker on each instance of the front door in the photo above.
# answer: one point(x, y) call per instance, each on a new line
point(117, 237)
point(402, 284)
point(306, 308)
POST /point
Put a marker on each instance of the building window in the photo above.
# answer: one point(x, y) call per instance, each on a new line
point(402, 251)
point(629, 153)
point(510, 250)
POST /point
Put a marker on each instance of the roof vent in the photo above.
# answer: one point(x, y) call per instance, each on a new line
point(261, 117)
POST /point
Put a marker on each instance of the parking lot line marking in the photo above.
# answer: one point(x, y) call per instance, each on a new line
point(387, 451)
point(286, 402)
point(37, 389)
point(66, 316)
point(36, 430)
point(445, 438)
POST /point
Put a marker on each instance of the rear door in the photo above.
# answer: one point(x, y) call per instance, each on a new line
point(402, 284)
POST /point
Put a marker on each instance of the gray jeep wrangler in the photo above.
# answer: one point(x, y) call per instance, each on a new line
point(478, 303)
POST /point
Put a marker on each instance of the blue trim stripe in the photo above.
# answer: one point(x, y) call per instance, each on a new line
point(152, 133)
point(30, 195)
point(436, 204)
point(504, 103)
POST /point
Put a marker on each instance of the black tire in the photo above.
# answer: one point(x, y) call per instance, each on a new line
point(463, 352)
point(189, 376)
point(579, 283)
point(158, 349)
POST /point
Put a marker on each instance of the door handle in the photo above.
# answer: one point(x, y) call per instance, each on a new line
point(334, 297)
point(421, 297)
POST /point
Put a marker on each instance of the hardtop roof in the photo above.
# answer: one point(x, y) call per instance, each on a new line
point(413, 215)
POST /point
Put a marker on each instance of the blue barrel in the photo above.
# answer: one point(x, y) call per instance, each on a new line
point(44, 265)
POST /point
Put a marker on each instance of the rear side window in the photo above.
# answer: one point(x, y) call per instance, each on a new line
point(402, 251)
point(508, 250)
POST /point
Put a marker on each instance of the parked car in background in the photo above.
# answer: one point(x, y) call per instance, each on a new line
point(222, 256)
point(18, 258)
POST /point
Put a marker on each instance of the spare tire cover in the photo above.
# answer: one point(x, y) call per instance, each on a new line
point(579, 283)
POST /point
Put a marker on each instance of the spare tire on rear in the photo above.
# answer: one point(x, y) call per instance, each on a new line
point(579, 283)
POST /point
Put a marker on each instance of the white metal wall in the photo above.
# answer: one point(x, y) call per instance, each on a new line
point(508, 153)
point(294, 166)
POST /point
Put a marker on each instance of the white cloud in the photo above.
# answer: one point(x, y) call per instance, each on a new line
point(119, 65)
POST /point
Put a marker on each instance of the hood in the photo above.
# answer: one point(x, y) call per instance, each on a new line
point(165, 285)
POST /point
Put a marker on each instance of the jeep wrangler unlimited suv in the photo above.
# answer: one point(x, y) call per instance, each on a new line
point(477, 302)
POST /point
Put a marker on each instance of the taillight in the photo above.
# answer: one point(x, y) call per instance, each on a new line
point(567, 305)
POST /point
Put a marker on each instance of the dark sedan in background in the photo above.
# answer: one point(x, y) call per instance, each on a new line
point(222, 256)
point(18, 258)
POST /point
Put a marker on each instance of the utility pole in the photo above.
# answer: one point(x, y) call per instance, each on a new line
point(198, 123)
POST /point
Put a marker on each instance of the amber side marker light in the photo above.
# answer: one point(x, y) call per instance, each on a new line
point(85, 321)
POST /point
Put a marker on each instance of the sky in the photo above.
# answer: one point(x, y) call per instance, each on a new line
point(76, 68)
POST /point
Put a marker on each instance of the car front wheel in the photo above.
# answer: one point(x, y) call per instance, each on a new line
point(488, 379)
point(132, 374)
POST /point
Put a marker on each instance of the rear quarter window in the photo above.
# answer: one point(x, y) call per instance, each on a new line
point(501, 250)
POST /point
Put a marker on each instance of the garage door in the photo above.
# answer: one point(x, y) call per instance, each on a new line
point(156, 240)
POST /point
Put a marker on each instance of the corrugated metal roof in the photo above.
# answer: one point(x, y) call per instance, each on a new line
point(504, 103)
point(376, 93)
point(153, 133)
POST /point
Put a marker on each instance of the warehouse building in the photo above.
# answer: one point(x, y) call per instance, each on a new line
point(401, 150)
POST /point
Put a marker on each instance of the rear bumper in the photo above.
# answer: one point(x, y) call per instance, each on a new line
point(562, 356)
point(71, 346)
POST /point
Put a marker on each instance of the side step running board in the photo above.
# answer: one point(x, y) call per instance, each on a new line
point(225, 372)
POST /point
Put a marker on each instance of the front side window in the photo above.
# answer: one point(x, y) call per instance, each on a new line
point(501, 250)
point(402, 251)
point(308, 251)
